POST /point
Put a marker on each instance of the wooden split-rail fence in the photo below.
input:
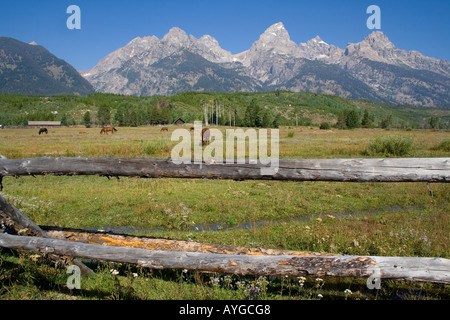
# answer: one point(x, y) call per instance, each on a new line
point(71, 245)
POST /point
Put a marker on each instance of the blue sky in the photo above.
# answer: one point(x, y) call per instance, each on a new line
point(108, 25)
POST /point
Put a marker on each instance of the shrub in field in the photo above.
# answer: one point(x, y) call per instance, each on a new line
point(325, 126)
point(443, 146)
point(390, 146)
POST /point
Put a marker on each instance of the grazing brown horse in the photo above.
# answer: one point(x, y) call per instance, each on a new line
point(164, 129)
point(105, 130)
point(205, 136)
point(43, 130)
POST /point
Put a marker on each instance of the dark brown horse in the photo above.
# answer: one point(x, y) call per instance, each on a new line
point(164, 129)
point(105, 130)
point(205, 136)
point(43, 130)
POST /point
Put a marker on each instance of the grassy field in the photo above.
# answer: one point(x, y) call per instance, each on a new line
point(295, 142)
point(391, 219)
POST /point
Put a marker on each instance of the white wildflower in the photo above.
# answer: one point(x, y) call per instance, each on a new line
point(301, 281)
point(114, 272)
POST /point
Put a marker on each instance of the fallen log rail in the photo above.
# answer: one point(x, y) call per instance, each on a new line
point(435, 270)
point(346, 170)
point(124, 240)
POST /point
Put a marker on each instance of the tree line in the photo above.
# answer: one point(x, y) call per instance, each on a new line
point(129, 115)
point(214, 112)
point(267, 109)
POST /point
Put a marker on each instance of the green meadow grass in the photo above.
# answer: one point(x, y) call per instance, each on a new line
point(295, 142)
point(391, 219)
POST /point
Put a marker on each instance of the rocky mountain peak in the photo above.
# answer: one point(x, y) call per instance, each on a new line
point(374, 47)
point(209, 40)
point(275, 33)
point(317, 49)
point(176, 36)
point(317, 40)
point(208, 47)
point(378, 41)
point(277, 28)
point(275, 39)
point(377, 46)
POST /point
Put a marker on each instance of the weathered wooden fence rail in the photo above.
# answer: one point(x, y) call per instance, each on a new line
point(346, 170)
point(403, 268)
point(245, 263)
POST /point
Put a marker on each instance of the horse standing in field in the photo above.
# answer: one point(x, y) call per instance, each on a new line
point(43, 130)
point(206, 135)
point(164, 129)
point(105, 130)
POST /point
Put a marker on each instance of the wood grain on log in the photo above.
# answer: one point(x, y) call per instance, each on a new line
point(435, 270)
point(110, 239)
point(352, 170)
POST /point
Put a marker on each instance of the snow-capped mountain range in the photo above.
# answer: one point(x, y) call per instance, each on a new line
point(372, 69)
